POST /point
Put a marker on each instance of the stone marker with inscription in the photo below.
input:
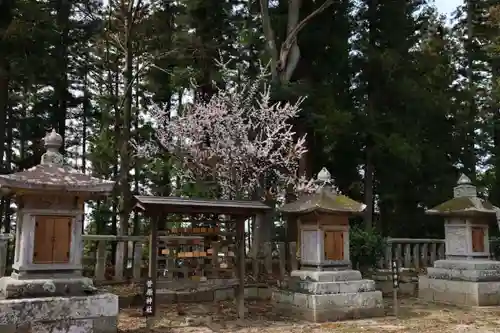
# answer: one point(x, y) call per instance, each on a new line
point(326, 288)
point(467, 276)
point(46, 291)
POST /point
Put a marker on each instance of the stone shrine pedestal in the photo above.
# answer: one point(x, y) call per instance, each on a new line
point(466, 276)
point(73, 314)
point(46, 291)
point(326, 288)
point(462, 282)
point(329, 296)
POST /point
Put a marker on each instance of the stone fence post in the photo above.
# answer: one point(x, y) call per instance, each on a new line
point(4, 243)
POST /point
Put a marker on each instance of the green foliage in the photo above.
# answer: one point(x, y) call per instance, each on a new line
point(366, 247)
point(495, 247)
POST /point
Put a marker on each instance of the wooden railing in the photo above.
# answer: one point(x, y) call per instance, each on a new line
point(411, 253)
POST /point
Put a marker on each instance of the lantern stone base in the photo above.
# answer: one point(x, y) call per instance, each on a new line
point(11, 287)
point(328, 296)
point(88, 314)
point(462, 282)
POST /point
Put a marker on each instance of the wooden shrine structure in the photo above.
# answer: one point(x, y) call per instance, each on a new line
point(207, 221)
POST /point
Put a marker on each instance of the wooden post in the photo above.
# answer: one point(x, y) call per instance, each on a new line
point(137, 261)
point(407, 256)
point(100, 265)
point(425, 255)
point(120, 260)
point(282, 258)
point(240, 240)
point(441, 251)
point(294, 265)
point(388, 254)
point(4, 244)
point(153, 250)
point(416, 256)
point(255, 264)
point(268, 257)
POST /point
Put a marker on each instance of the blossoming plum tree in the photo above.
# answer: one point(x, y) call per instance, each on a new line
point(240, 137)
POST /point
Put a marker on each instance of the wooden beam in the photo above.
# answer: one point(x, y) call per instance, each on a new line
point(240, 255)
point(153, 250)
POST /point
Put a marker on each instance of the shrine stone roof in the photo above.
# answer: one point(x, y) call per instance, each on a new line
point(52, 174)
point(324, 200)
point(465, 201)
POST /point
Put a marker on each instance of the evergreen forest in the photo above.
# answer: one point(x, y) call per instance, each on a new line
point(398, 99)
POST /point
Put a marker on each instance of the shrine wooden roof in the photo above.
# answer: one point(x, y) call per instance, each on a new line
point(155, 205)
point(324, 201)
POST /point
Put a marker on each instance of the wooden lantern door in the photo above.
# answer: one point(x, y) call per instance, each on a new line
point(52, 239)
point(477, 239)
point(334, 245)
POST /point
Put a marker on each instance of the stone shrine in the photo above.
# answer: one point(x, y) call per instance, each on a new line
point(466, 276)
point(46, 291)
point(326, 288)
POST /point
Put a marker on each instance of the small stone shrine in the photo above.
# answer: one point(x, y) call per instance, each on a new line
point(467, 276)
point(46, 291)
point(326, 288)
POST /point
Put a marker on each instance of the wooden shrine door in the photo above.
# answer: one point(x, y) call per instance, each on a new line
point(334, 245)
point(52, 239)
point(477, 239)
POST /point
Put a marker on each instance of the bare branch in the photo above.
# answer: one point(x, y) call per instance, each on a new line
point(291, 38)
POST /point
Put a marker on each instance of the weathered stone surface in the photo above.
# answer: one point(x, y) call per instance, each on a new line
point(459, 292)
point(354, 300)
point(468, 264)
point(99, 325)
point(327, 276)
point(14, 288)
point(473, 275)
point(318, 316)
point(50, 310)
point(318, 288)
point(330, 306)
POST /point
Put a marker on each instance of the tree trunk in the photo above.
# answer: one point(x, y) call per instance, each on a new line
point(61, 85)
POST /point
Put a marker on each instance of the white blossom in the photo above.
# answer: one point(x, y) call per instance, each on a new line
point(238, 137)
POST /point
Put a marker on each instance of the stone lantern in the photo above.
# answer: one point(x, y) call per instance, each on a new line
point(326, 288)
point(323, 226)
point(466, 276)
point(46, 286)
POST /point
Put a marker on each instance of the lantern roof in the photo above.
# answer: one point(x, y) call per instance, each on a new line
point(52, 175)
point(465, 201)
point(325, 200)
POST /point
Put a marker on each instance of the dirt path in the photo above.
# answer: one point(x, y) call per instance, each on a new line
point(415, 316)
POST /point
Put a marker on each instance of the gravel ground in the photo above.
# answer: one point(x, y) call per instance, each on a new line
point(415, 316)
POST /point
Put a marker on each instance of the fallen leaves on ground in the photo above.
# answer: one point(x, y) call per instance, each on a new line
point(414, 316)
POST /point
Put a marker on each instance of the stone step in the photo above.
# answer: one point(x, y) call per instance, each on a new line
point(320, 288)
point(326, 276)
